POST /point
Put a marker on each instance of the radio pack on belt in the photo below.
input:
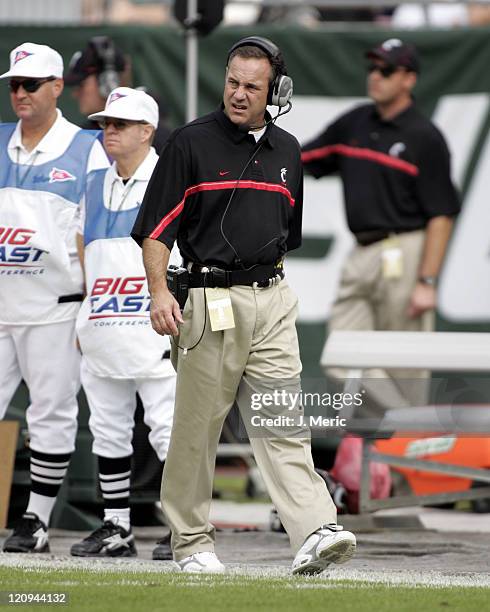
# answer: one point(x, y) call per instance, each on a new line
point(178, 284)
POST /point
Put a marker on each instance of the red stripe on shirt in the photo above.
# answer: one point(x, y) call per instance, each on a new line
point(168, 218)
point(360, 153)
point(217, 186)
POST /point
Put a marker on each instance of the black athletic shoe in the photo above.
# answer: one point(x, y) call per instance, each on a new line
point(29, 535)
point(110, 540)
point(163, 551)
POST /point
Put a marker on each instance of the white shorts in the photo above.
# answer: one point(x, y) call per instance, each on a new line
point(112, 403)
point(47, 358)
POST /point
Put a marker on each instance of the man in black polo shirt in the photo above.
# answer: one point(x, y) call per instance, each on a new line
point(229, 188)
point(399, 200)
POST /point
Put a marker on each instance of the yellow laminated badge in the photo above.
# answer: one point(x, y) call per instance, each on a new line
point(219, 308)
point(392, 259)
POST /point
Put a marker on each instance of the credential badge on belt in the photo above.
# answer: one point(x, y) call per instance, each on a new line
point(219, 308)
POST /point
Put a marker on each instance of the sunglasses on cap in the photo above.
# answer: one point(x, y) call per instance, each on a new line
point(384, 71)
point(118, 124)
point(29, 85)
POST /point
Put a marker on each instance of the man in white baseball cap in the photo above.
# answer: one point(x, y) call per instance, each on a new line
point(129, 104)
point(122, 355)
point(45, 162)
point(30, 60)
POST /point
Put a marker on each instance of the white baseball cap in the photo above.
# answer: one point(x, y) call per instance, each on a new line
point(130, 104)
point(34, 61)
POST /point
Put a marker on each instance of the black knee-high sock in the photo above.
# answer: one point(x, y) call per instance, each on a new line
point(47, 474)
point(114, 480)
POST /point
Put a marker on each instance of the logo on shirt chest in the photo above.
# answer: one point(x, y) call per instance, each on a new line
point(397, 149)
point(58, 175)
point(284, 172)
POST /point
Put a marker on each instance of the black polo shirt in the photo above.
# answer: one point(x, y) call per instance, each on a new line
point(396, 174)
point(188, 196)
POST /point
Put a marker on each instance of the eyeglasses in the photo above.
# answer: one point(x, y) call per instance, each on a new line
point(118, 124)
point(29, 85)
point(384, 71)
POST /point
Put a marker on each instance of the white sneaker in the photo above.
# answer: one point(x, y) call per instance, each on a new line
point(202, 563)
point(329, 544)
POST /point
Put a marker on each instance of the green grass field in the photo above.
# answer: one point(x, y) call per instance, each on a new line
point(132, 591)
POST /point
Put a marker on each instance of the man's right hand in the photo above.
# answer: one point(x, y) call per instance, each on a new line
point(165, 313)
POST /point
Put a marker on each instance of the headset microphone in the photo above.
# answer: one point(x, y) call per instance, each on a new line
point(245, 129)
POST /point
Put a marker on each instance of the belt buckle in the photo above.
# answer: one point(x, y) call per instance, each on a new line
point(219, 277)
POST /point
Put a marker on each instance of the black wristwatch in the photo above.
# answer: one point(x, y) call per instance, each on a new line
point(428, 280)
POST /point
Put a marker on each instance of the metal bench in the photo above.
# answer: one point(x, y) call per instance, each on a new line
point(435, 351)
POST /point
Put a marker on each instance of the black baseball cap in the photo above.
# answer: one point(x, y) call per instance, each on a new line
point(88, 61)
point(396, 53)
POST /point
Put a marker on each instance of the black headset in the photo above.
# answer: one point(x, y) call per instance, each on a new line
point(281, 88)
point(107, 78)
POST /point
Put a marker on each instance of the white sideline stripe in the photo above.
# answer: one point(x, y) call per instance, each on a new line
point(52, 464)
point(410, 578)
point(51, 481)
point(107, 477)
point(115, 495)
point(114, 486)
point(48, 471)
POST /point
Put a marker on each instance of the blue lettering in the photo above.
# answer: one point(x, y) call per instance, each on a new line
point(37, 254)
point(115, 304)
point(20, 254)
point(93, 302)
point(132, 304)
point(111, 304)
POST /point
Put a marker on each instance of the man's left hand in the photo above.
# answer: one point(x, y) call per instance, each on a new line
point(423, 298)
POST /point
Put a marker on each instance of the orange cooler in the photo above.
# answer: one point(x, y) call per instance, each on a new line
point(463, 451)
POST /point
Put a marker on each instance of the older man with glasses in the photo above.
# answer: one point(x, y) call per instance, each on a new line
point(44, 164)
point(399, 200)
point(122, 355)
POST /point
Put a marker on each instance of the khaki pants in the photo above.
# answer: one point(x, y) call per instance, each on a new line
point(263, 345)
point(368, 301)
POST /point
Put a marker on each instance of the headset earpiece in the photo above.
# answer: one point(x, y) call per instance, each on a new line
point(107, 78)
point(281, 91)
point(281, 88)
